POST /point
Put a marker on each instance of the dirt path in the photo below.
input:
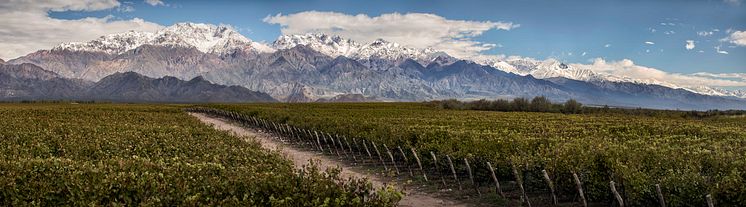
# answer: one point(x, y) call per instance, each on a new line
point(301, 158)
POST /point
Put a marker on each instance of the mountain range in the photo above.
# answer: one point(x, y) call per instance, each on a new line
point(30, 82)
point(318, 67)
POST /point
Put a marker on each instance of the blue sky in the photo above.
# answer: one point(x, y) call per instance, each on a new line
point(548, 29)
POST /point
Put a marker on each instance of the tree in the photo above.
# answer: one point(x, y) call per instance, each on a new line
point(572, 107)
point(540, 104)
point(520, 104)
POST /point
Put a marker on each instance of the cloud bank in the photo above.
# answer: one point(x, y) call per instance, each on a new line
point(420, 30)
point(27, 26)
point(628, 69)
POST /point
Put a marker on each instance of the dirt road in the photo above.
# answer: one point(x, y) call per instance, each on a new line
point(302, 157)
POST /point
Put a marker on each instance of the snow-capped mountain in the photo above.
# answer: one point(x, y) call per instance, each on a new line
point(552, 68)
point(379, 54)
point(542, 69)
point(717, 91)
point(314, 66)
point(204, 37)
point(371, 53)
point(325, 44)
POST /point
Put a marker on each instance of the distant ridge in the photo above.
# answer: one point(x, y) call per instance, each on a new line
point(319, 67)
point(133, 87)
point(30, 82)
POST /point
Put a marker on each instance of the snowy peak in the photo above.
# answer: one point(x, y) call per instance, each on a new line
point(553, 68)
point(334, 46)
point(717, 91)
point(383, 49)
point(204, 37)
point(111, 44)
point(549, 68)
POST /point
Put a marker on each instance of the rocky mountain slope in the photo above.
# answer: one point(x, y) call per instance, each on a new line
point(310, 67)
point(30, 82)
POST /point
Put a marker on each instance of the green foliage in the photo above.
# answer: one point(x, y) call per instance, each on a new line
point(688, 157)
point(542, 104)
point(152, 155)
point(572, 107)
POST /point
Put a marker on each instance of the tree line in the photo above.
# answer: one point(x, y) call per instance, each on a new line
point(571, 106)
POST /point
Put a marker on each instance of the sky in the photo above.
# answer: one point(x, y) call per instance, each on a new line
point(693, 38)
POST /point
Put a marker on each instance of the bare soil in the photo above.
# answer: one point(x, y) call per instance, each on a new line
point(300, 157)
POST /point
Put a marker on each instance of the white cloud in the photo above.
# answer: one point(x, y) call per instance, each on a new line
point(125, 8)
point(627, 69)
point(650, 43)
point(741, 76)
point(689, 45)
point(27, 27)
point(705, 33)
point(737, 38)
point(669, 32)
point(583, 54)
point(717, 49)
point(155, 2)
point(420, 30)
point(607, 45)
point(733, 2)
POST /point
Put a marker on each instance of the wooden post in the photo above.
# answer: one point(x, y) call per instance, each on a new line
point(471, 177)
point(419, 164)
point(453, 171)
point(330, 144)
point(437, 170)
point(326, 142)
point(616, 194)
point(406, 160)
point(551, 186)
point(660, 195)
point(350, 148)
point(580, 189)
point(318, 141)
point(494, 178)
point(291, 131)
point(296, 134)
point(309, 138)
point(379, 156)
point(519, 180)
point(392, 158)
point(709, 201)
point(341, 145)
point(367, 151)
point(336, 150)
point(360, 152)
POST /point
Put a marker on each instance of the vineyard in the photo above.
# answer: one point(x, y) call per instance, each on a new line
point(539, 158)
point(153, 155)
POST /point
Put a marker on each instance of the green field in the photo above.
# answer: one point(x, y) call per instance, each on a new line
point(155, 155)
point(688, 157)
